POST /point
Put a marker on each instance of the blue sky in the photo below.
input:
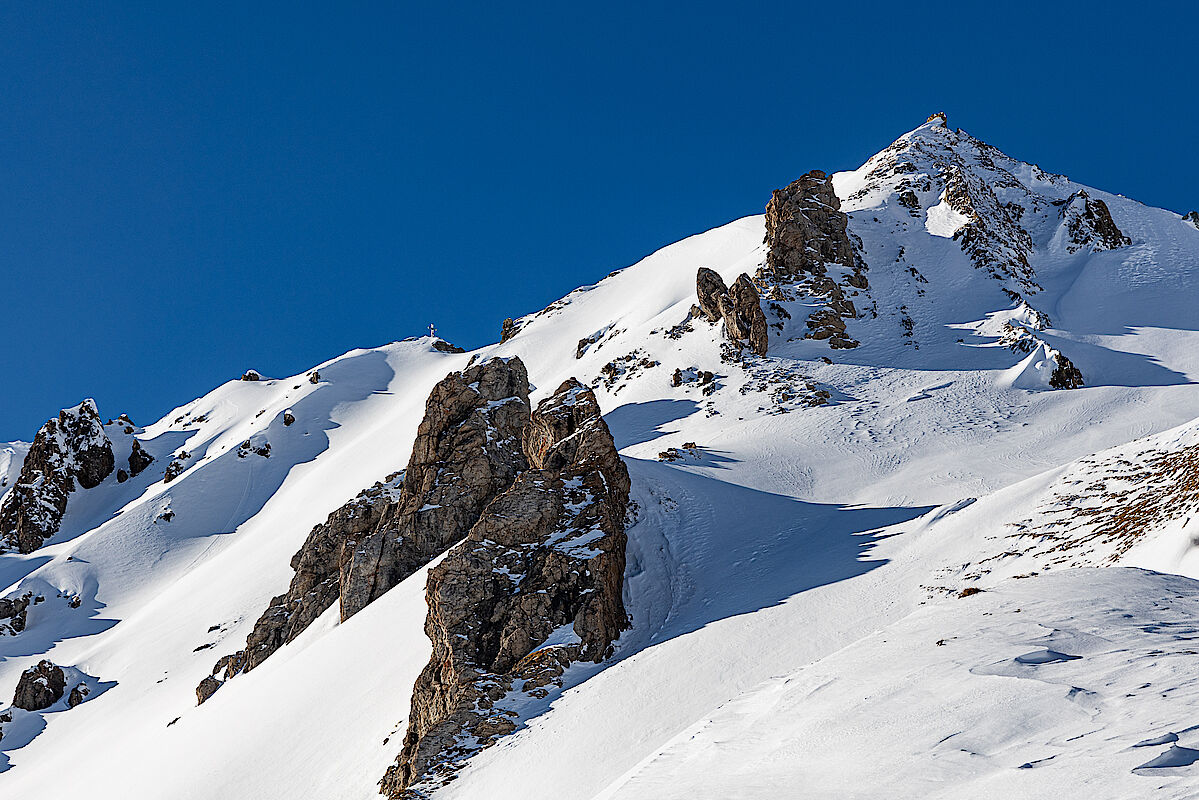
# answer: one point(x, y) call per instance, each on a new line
point(190, 190)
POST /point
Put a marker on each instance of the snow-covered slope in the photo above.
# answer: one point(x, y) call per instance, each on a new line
point(804, 524)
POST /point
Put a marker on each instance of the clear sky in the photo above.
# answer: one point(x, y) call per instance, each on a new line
point(188, 190)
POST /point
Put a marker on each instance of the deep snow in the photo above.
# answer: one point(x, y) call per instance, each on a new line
point(788, 579)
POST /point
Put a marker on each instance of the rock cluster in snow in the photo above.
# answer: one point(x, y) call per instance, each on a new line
point(71, 449)
point(806, 233)
point(40, 686)
point(536, 585)
point(1089, 224)
point(14, 613)
point(739, 306)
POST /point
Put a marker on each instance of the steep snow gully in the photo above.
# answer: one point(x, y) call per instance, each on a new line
point(913, 456)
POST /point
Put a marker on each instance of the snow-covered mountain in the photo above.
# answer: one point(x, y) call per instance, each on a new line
point(902, 508)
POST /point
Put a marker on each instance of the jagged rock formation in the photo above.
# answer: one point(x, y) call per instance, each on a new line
point(1088, 223)
point(1193, 218)
point(709, 288)
point(40, 686)
point(806, 234)
point(14, 613)
point(251, 375)
point(442, 346)
point(992, 235)
point(738, 306)
point(536, 586)
point(71, 449)
point(467, 451)
point(314, 588)
point(507, 329)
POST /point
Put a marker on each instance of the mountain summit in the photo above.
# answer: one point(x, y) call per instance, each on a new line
point(815, 498)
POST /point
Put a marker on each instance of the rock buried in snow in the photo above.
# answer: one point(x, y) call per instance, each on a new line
point(536, 585)
point(39, 687)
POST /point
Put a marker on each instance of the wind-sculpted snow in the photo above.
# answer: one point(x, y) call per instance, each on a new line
point(804, 525)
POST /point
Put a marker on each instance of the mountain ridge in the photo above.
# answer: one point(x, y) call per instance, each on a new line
point(840, 489)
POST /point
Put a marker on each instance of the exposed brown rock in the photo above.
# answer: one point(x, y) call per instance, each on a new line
point(806, 230)
point(747, 307)
point(71, 449)
point(251, 375)
point(207, 689)
point(467, 450)
point(314, 377)
point(709, 288)
point(442, 346)
point(545, 560)
point(507, 329)
point(39, 687)
point(806, 233)
point(465, 453)
point(739, 306)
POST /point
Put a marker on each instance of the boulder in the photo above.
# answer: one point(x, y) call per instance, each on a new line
point(39, 687)
point(71, 449)
point(709, 288)
point(747, 307)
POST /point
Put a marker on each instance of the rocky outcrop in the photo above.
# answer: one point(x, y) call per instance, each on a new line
point(806, 230)
point(466, 452)
point(251, 375)
point(1088, 223)
point(1193, 219)
point(40, 687)
point(806, 235)
point(739, 306)
point(71, 449)
point(508, 329)
point(536, 586)
point(709, 288)
point(992, 236)
point(14, 613)
point(313, 589)
point(1065, 375)
point(139, 459)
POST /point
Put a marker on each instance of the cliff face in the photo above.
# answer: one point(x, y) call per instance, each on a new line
point(72, 449)
point(536, 586)
point(467, 451)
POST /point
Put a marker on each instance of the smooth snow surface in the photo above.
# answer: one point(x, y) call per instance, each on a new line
point(793, 578)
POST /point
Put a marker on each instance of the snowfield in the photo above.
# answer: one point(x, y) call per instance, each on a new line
point(794, 576)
